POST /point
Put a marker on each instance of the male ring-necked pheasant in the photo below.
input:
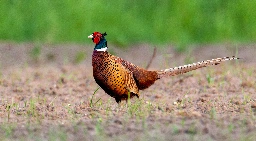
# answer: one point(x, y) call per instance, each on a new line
point(119, 78)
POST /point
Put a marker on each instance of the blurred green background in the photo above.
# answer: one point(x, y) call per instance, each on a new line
point(127, 22)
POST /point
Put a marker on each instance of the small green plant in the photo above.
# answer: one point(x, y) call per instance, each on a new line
point(8, 108)
point(231, 128)
point(36, 52)
point(71, 111)
point(247, 98)
point(183, 123)
point(32, 112)
point(8, 129)
point(133, 109)
point(209, 79)
point(175, 129)
point(213, 113)
point(192, 130)
point(91, 100)
point(137, 108)
point(99, 128)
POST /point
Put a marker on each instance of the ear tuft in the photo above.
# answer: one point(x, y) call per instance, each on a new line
point(104, 34)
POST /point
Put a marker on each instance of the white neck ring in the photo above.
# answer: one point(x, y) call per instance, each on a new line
point(102, 49)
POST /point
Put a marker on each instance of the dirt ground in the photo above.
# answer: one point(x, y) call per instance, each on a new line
point(53, 96)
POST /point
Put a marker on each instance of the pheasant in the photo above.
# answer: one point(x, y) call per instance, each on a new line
point(121, 79)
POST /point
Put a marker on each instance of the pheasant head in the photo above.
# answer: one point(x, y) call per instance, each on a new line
point(100, 41)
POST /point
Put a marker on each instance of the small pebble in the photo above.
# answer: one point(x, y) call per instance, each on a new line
point(253, 105)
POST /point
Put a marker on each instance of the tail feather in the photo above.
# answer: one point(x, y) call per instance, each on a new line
point(186, 68)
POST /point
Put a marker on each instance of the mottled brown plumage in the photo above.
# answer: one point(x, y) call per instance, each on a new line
point(119, 78)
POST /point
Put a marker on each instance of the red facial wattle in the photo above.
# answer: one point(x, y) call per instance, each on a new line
point(96, 40)
point(96, 37)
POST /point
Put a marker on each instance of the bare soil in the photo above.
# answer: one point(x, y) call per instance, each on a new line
point(50, 96)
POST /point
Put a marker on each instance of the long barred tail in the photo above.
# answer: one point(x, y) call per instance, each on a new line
point(194, 66)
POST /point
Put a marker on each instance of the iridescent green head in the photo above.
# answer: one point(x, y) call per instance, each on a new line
point(100, 41)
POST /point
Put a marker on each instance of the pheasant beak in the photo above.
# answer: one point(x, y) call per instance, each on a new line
point(90, 36)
